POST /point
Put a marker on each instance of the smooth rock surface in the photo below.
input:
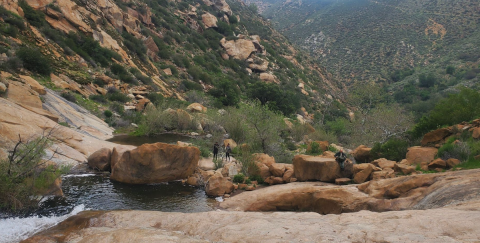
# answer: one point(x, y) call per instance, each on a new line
point(318, 168)
point(155, 163)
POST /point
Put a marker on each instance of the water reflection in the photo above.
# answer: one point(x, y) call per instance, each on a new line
point(99, 193)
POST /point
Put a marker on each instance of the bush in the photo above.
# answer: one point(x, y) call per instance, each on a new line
point(34, 60)
point(393, 149)
point(117, 96)
point(450, 70)
point(426, 81)
point(314, 149)
point(108, 113)
point(239, 178)
point(69, 96)
point(256, 178)
point(35, 18)
point(25, 175)
point(98, 98)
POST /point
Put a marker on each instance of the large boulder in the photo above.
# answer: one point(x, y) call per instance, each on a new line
point(318, 168)
point(101, 159)
point(154, 163)
point(437, 164)
point(416, 155)
point(261, 158)
point(384, 163)
point(362, 154)
point(218, 185)
point(435, 137)
point(404, 169)
point(196, 107)
point(209, 20)
point(230, 141)
point(238, 49)
point(452, 162)
point(277, 170)
point(117, 153)
point(362, 172)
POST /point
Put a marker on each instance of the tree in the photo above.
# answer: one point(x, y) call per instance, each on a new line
point(384, 122)
point(34, 60)
point(226, 92)
point(426, 81)
point(264, 125)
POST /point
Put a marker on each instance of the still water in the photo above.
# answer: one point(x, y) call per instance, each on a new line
point(98, 192)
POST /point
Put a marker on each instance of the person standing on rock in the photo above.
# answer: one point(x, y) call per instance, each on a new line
point(215, 151)
point(228, 150)
point(340, 157)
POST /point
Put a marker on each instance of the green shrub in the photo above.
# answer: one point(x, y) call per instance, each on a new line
point(291, 145)
point(34, 17)
point(69, 96)
point(393, 149)
point(24, 175)
point(34, 60)
point(117, 96)
point(239, 178)
point(450, 70)
point(426, 81)
point(248, 181)
point(315, 148)
point(256, 178)
point(108, 113)
point(98, 98)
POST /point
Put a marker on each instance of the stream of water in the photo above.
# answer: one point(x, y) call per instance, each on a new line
point(98, 192)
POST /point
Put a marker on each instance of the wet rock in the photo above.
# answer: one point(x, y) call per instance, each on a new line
point(101, 159)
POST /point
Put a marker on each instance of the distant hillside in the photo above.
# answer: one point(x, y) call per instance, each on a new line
point(370, 40)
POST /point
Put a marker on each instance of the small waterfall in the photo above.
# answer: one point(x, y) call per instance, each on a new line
point(17, 229)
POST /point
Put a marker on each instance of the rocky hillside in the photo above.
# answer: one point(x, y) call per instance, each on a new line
point(378, 40)
point(88, 49)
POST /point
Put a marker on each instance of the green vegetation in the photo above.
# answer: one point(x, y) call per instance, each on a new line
point(239, 178)
point(24, 175)
point(463, 106)
point(394, 149)
point(34, 60)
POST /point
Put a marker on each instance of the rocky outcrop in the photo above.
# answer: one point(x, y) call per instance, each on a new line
point(76, 116)
point(319, 168)
point(152, 48)
point(238, 49)
point(401, 193)
point(209, 20)
point(416, 155)
point(223, 6)
point(23, 94)
point(100, 160)
point(404, 168)
point(154, 163)
point(72, 147)
point(268, 77)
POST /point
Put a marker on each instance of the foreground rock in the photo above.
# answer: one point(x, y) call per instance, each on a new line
point(451, 224)
point(218, 185)
point(401, 193)
point(100, 160)
point(154, 163)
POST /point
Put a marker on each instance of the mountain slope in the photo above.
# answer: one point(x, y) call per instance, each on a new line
point(370, 40)
point(164, 47)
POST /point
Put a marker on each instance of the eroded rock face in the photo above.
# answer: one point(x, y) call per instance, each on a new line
point(154, 163)
point(196, 107)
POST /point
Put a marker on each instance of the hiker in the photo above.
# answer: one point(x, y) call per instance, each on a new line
point(228, 150)
point(340, 157)
point(215, 151)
